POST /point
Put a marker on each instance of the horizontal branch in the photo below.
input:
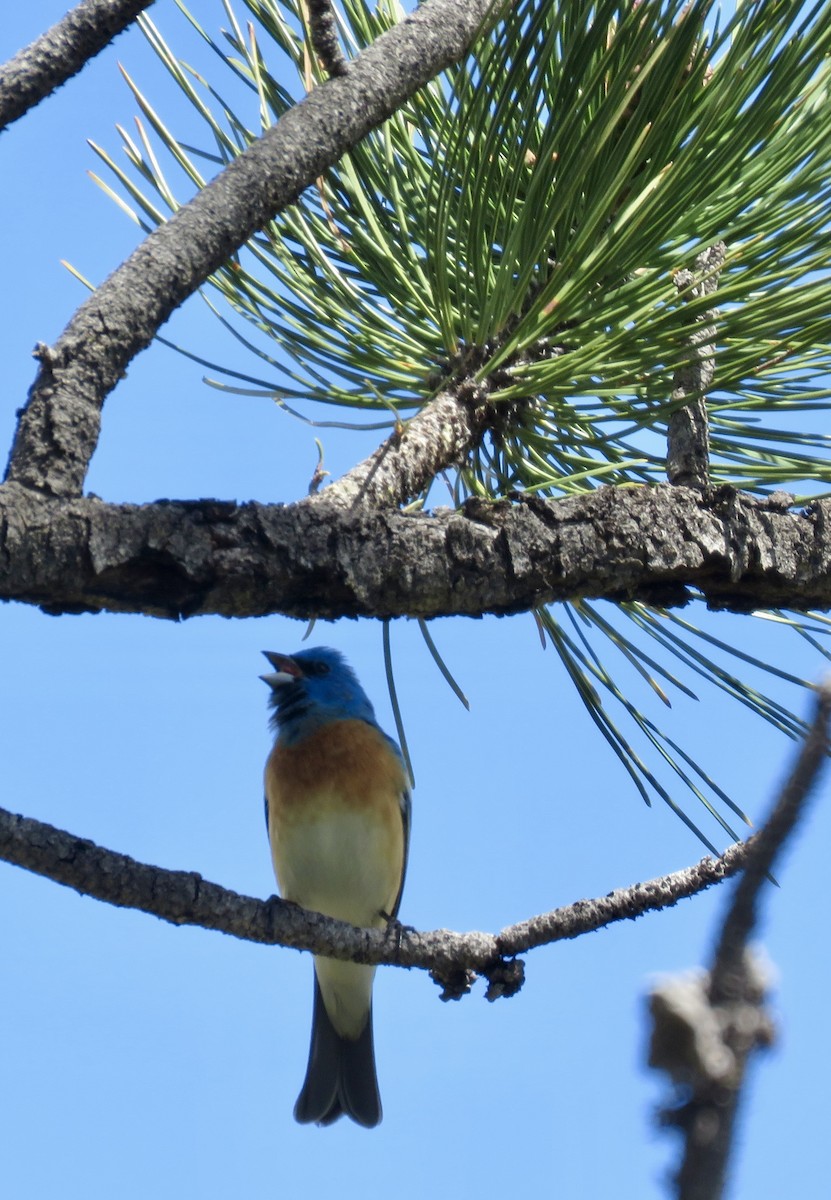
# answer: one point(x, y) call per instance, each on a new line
point(58, 430)
point(179, 558)
point(185, 898)
point(61, 52)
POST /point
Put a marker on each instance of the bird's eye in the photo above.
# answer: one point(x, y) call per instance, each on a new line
point(319, 668)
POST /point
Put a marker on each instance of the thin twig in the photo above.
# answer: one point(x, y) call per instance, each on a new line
point(185, 898)
point(688, 448)
point(743, 914)
point(323, 31)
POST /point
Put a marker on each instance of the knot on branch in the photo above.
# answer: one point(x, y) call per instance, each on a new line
point(703, 1043)
point(505, 978)
point(454, 983)
point(467, 376)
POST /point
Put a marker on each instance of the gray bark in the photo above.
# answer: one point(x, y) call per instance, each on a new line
point(36, 71)
point(185, 898)
point(58, 430)
point(688, 446)
point(179, 558)
point(707, 1028)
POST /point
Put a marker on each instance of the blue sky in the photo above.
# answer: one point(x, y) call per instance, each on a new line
point(142, 1059)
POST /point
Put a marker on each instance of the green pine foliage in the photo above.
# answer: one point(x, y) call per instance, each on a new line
point(523, 221)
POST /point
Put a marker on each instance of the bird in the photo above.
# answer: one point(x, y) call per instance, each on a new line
point(337, 802)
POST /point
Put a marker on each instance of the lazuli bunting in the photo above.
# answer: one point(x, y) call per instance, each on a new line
point(338, 813)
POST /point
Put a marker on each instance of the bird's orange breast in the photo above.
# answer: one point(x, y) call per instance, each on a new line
point(346, 764)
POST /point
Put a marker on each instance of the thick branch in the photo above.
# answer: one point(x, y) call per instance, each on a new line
point(180, 558)
point(184, 898)
point(59, 427)
point(36, 71)
point(688, 448)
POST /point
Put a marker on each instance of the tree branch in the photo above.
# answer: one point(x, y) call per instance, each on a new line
point(440, 435)
point(185, 898)
point(768, 845)
point(706, 1028)
point(36, 71)
point(179, 558)
point(58, 430)
point(688, 446)
point(323, 31)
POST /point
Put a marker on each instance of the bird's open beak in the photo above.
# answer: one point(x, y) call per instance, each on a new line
point(286, 670)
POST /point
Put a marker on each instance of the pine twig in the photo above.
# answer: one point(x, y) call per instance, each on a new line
point(688, 449)
point(323, 32)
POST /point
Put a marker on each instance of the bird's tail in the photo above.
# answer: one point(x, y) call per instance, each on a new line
point(340, 1077)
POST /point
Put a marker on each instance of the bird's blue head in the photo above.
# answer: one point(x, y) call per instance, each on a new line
point(311, 688)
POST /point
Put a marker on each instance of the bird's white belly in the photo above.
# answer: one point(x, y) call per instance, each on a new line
point(340, 863)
